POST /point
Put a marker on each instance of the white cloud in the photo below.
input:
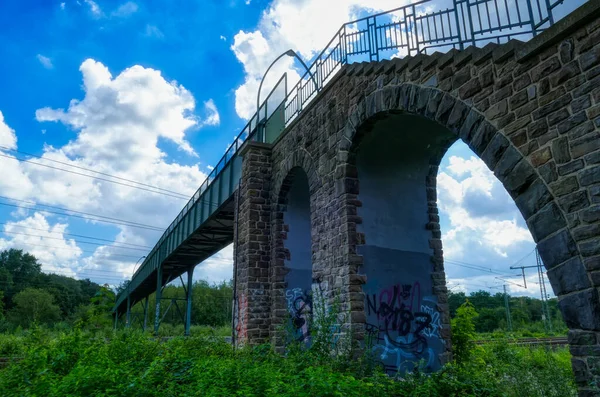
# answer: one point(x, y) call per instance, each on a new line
point(94, 8)
point(62, 6)
point(125, 10)
point(482, 215)
point(45, 61)
point(46, 242)
point(223, 38)
point(8, 138)
point(212, 117)
point(217, 268)
point(119, 123)
point(283, 25)
point(153, 31)
point(131, 111)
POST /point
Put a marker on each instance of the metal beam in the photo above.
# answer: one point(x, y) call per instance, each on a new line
point(158, 295)
point(188, 308)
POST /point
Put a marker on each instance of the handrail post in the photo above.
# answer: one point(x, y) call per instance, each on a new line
point(549, 9)
point(531, 21)
point(460, 39)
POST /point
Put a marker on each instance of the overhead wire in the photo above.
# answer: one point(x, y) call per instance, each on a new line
point(75, 235)
point(84, 215)
point(75, 250)
point(77, 241)
point(156, 190)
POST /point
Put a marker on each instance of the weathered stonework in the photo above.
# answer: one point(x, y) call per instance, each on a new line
point(533, 118)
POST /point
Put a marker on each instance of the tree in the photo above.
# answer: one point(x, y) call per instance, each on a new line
point(18, 270)
point(34, 305)
point(463, 332)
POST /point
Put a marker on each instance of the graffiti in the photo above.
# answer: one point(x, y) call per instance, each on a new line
point(241, 317)
point(401, 326)
point(434, 326)
point(299, 305)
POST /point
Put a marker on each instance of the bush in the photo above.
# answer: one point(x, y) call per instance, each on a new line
point(130, 363)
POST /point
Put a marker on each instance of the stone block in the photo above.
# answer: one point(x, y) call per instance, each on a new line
point(586, 144)
point(570, 167)
point(590, 176)
point(560, 151)
point(482, 137)
point(574, 201)
point(535, 197)
point(581, 310)
point(568, 277)
point(544, 69)
point(494, 151)
point(565, 186)
point(546, 221)
point(556, 249)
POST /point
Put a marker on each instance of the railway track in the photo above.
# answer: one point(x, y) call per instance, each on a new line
point(551, 341)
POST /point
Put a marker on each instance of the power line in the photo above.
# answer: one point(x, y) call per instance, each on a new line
point(77, 241)
point(75, 235)
point(475, 267)
point(91, 170)
point(73, 250)
point(88, 216)
point(158, 191)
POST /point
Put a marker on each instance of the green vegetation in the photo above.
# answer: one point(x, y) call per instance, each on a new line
point(129, 363)
point(59, 334)
point(28, 296)
point(526, 314)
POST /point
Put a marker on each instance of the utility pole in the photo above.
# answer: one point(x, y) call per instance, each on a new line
point(508, 318)
point(545, 311)
point(543, 294)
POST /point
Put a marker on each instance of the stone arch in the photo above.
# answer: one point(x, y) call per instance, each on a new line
point(291, 293)
point(547, 221)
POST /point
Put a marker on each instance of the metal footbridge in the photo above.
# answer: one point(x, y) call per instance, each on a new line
point(206, 224)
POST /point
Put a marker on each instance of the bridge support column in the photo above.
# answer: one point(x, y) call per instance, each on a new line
point(128, 315)
point(188, 308)
point(158, 298)
point(252, 306)
point(145, 314)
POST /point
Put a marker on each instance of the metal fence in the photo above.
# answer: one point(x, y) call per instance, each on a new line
point(407, 30)
point(415, 29)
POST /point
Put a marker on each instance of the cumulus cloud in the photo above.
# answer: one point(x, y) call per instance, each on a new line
point(46, 242)
point(217, 268)
point(45, 61)
point(8, 139)
point(119, 122)
point(283, 26)
point(125, 10)
point(481, 213)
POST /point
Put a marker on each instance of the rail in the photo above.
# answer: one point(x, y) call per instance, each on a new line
point(406, 30)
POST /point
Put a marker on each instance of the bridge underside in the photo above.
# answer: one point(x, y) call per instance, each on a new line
point(213, 235)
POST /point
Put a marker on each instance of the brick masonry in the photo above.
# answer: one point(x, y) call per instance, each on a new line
point(534, 120)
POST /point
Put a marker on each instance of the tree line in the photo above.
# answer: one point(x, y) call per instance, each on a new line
point(525, 312)
point(27, 296)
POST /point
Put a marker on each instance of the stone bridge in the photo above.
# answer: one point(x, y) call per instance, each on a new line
point(342, 206)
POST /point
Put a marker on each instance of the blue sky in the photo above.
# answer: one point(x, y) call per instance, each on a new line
point(154, 91)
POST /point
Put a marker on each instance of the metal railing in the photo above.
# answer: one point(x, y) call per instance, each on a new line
point(407, 30)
